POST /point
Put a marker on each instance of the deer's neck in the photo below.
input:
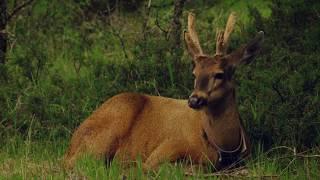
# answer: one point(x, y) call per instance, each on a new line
point(221, 123)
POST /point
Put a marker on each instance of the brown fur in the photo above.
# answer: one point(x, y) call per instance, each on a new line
point(131, 125)
point(158, 129)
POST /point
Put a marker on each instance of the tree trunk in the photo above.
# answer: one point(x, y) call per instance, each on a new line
point(175, 40)
point(176, 24)
point(3, 37)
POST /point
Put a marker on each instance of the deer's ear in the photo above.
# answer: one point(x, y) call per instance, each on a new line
point(247, 53)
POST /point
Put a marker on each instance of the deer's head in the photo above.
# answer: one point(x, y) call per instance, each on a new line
point(214, 74)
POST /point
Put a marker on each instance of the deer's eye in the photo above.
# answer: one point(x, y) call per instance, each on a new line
point(219, 76)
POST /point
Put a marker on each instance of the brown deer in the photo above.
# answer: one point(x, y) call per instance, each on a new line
point(206, 128)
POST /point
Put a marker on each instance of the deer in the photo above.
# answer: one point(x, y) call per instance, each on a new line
point(205, 128)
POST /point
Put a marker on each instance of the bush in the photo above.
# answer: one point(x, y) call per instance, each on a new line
point(281, 100)
point(63, 66)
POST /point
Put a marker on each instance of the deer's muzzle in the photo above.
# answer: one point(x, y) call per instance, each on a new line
point(196, 102)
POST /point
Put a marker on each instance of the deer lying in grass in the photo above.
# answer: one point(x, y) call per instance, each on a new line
point(205, 128)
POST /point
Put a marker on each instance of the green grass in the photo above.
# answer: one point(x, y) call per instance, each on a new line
point(44, 108)
point(26, 159)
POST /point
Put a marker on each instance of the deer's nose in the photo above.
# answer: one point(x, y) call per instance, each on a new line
point(196, 102)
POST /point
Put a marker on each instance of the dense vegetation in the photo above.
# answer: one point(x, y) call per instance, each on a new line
point(64, 58)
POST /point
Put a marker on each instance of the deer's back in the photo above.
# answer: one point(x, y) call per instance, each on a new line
point(142, 122)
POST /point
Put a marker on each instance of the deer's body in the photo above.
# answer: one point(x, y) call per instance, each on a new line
point(131, 125)
point(158, 129)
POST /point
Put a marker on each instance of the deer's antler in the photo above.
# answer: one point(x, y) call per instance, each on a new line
point(222, 37)
point(191, 37)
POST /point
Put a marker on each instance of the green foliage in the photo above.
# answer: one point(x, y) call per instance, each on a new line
point(29, 159)
point(65, 59)
point(283, 93)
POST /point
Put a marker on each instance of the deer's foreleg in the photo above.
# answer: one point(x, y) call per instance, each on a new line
point(169, 150)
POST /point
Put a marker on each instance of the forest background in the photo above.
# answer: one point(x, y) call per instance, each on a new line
point(60, 59)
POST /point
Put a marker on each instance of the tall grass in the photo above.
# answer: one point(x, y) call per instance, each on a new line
point(28, 159)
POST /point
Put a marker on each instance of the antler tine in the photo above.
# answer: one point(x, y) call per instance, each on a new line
point(229, 29)
point(219, 42)
point(193, 34)
point(222, 37)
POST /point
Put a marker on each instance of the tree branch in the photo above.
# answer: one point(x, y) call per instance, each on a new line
point(159, 26)
point(17, 9)
point(275, 88)
point(117, 33)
